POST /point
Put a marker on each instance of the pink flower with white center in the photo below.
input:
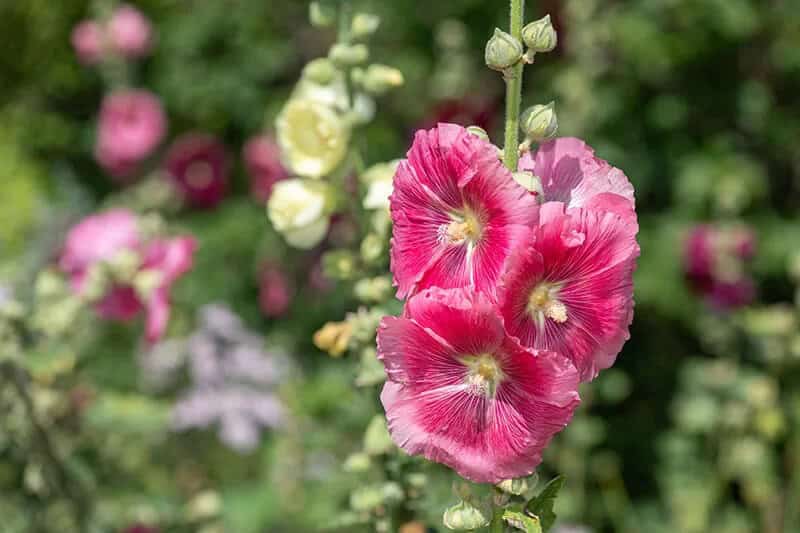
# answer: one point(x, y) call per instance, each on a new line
point(129, 32)
point(198, 166)
point(571, 173)
point(111, 240)
point(262, 158)
point(275, 292)
point(463, 392)
point(131, 125)
point(715, 263)
point(457, 213)
point(87, 40)
point(570, 289)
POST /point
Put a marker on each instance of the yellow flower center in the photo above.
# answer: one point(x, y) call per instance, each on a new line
point(464, 228)
point(484, 374)
point(543, 303)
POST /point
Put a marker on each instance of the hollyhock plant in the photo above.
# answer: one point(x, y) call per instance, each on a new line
point(457, 213)
point(715, 260)
point(262, 159)
point(570, 173)
point(569, 289)
point(129, 32)
point(198, 166)
point(131, 125)
point(110, 263)
point(463, 392)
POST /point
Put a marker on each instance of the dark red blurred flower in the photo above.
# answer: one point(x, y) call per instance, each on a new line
point(262, 159)
point(275, 291)
point(465, 112)
point(140, 528)
point(198, 166)
point(715, 264)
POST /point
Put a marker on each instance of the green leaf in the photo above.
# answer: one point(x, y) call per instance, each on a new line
point(542, 505)
point(528, 524)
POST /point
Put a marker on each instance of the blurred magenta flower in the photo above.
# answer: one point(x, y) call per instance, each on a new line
point(198, 166)
point(715, 264)
point(111, 264)
point(140, 528)
point(275, 290)
point(457, 213)
point(570, 289)
point(129, 32)
point(131, 125)
point(87, 40)
point(463, 111)
point(463, 392)
point(570, 173)
point(262, 158)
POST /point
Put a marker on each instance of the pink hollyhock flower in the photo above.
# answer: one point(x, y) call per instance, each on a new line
point(198, 166)
point(87, 40)
point(457, 213)
point(715, 260)
point(102, 238)
point(572, 174)
point(570, 289)
point(131, 125)
point(262, 158)
point(129, 32)
point(275, 291)
point(463, 392)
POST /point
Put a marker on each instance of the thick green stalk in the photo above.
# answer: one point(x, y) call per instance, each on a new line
point(497, 521)
point(514, 91)
point(343, 36)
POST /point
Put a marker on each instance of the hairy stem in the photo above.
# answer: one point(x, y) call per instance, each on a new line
point(514, 91)
point(343, 36)
point(497, 521)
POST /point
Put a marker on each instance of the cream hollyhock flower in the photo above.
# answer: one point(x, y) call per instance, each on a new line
point(313, 137)
point(378, 179)
point(298, 209)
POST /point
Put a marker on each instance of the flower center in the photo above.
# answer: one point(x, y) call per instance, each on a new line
point(199, 175)
point(466, 228)
point(484, 374)
point(544, 303)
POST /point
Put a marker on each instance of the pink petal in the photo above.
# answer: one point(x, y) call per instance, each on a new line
point(157, 316)
point(173, 257)
point(97, 238)
point(121, 303)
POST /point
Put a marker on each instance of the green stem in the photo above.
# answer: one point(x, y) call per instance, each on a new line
point(343, 36)
point(497, 525)
point(514, 91)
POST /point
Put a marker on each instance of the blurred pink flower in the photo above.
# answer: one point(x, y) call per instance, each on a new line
point(262, 159)
point(131, 125)
point(572, 174)
point(457, 213)
point(101, 239)
point(275, 291)
point(198, 166)
point(570, 289)
point(715, 264)
point(87, 40)
point(463, 392)
point(140, 528)
point(129, 32)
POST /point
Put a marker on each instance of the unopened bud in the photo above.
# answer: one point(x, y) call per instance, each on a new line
point(502, 51)
point(357, 462)
point(539, 122)
point(378, 79)
point(322, 14)
point(516, 486)
point(532, 183)
point(539, 35)
point(320, 70)
point(364, 25)
point(464, 516)
point(479, 132)
point(349, 55)
point(334, 338)
point(339, 264)
point(146, 281)
point(376, 439)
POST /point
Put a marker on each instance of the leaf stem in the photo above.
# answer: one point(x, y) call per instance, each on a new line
point(514, 91)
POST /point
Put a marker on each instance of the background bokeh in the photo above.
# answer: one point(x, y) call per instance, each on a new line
point(694, 430)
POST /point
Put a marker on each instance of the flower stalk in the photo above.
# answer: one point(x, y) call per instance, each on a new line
point(513, 91)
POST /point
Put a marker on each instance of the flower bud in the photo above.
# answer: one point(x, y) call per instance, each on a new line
point(339, 264)
point(334, 338)
point(124, 264)
point(349, 55)
point(479, 132)
point(312, 136)
point(379, 178)
point(376, 438)
point(515, 487)
point(372, 247)
point(364, 25)
point(464, 516)
point(539, 122)
point(320, 70)
point(532, 183)
point(357, 463)
point(322, 13)
point(373, 289)
point(539, 35)
point(298, 209)
point(378, 79)
point(502, 51)
point(146, 281)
